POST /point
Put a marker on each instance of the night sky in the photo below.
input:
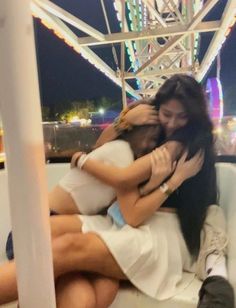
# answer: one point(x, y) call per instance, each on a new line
point(65, 76)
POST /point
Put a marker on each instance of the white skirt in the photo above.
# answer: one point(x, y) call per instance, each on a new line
point(154, 256)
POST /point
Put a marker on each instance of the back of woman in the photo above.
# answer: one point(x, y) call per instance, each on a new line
point(84, 193)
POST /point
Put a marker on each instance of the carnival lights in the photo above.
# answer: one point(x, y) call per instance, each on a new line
point(228, 21)
point(148, 51)
point(72, 41)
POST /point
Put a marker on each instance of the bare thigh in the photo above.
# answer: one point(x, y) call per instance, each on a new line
point(76, 290)
point(61, 201)
point(62, 224)
point(84, 252)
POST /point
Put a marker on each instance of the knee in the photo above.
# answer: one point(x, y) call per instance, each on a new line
point(84, 300)
point(62, 248)
point(60, 244)
point(80, 302)
point(106, 299)
point(89, 302)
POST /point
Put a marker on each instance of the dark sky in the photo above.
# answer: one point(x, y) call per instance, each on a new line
point(66, 76)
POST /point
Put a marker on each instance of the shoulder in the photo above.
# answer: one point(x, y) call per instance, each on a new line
point(118, 144)
point(113, 151)
point(113, 146)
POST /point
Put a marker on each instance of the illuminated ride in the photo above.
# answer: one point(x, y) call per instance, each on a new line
point(160, 38)
point(215, 98)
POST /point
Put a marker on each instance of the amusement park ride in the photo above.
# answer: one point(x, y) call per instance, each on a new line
point(160, 38)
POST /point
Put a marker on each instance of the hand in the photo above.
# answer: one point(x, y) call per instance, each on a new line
point(162, 167)
point(76, 156)
point(186, 169)
point(161, 163)
point(143, 114)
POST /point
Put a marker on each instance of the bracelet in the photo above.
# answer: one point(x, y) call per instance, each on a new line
point(166, 189)
point(76, 161)
point(82, 159)
point(121, 124)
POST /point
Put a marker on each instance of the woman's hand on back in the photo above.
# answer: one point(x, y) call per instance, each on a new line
point(161, 166)
point(186, 169)
point(161, 163)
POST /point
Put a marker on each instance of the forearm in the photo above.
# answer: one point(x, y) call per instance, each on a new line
point(131, 176)
point(117, 177)
point(136, 209)
point(149, 187)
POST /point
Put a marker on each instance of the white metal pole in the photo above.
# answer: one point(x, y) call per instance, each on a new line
point(190, 39)
point(124, 99)
point(21, 115)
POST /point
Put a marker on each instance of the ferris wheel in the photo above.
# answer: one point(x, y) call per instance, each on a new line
point(159, 37)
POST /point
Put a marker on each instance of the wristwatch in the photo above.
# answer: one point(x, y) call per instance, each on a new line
point(166, 189)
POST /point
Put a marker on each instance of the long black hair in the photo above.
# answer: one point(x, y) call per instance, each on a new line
point(200, 191)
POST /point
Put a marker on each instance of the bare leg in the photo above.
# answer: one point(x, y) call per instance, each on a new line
point(61, 224)
point(84, 252)
point(61, 202)
point(75, 291)
point(8, 288)
point(71, 252)
point(101, 283)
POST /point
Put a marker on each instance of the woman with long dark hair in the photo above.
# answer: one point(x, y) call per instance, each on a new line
point(183, 117)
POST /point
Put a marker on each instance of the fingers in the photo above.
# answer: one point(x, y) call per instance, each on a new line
point(198, 157)
point(143, 114)
point(196, 162)
point(148, 110)
point(152, 162)
point(174, 165)
point(161, 155)
point(183, 157)
point(151, 120)
point(166, 154)
point(74, 159)
point(155, 161)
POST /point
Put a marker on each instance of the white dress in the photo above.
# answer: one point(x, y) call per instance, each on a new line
point(91, 195)
point(154, 256)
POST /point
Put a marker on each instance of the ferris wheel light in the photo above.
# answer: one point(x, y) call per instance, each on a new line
point(115, 7)
point(118, 16)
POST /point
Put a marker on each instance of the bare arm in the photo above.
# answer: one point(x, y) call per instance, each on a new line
point(131, 176)
point(136, 209)
point(162, 166)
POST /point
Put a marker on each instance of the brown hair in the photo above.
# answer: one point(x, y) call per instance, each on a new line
point(139, 133)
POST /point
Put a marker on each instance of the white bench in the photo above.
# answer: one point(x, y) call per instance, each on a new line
point(129, 296)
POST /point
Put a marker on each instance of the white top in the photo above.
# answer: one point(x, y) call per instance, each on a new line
point(91, 195)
